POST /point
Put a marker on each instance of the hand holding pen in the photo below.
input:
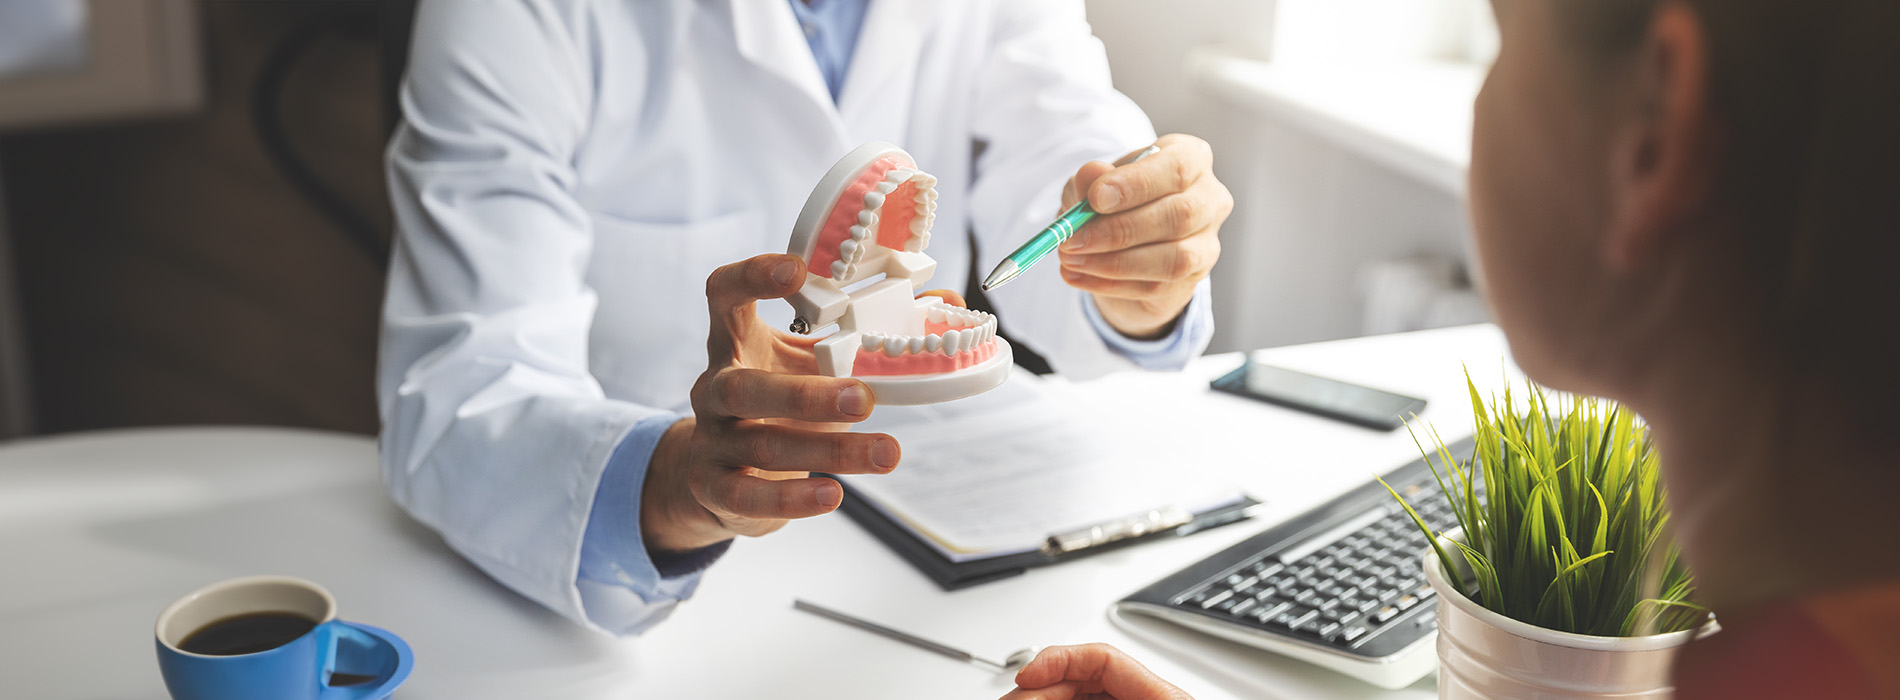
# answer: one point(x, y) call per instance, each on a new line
point(1152, 237)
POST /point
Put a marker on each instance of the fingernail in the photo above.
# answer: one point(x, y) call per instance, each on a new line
point(1075, 242)
point(854, 401)
point(827, 495)
point(782, 274)
point(1107, 199)
point(884, 454)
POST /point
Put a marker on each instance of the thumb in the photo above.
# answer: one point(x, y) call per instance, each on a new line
point(1081, 182)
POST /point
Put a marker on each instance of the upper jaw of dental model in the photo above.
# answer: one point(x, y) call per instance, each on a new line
point(898, 213)
point(951, 331)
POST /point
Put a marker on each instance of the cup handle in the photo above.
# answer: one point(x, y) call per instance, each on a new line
point(363, 650)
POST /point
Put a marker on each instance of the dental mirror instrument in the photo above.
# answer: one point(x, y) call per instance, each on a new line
point(1014, 662)
point(1064, 227)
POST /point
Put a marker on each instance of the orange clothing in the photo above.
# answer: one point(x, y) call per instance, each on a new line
point(1837, 646)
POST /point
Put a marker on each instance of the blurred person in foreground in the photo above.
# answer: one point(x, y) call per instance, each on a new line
point(1693, 207)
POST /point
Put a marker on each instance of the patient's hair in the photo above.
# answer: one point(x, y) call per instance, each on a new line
point(1807, 93)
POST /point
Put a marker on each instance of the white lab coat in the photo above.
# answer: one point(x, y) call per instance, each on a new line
point(571, 171)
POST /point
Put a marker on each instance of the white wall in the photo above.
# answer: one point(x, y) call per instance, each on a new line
point(1310, 215)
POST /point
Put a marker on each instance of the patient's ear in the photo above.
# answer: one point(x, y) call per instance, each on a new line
point(1664, 150)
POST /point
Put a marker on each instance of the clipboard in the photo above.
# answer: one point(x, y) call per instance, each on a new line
point(1104, 537)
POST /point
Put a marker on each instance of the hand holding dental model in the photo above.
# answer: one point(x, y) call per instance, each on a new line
point(760, 412)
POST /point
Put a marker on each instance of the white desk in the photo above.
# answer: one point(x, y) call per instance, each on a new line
point(98, 532)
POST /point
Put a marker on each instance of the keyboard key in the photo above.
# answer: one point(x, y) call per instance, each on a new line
point(1385, 614)
point(1367, 604)
point(1425, 592)
point(1228, 603)
point(1242, 607)
point(1305, 620)
point(1266, 615)
point(1216, 599)
point(1353, 632)
point(1306, 596)
point(1348, 616)
point(1329, 631)
point(1405, 602)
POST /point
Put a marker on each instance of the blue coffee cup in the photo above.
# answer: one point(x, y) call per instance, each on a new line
point(300, 669)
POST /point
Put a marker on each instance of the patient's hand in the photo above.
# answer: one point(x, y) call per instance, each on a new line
point(764, 420)
point(1090, 671)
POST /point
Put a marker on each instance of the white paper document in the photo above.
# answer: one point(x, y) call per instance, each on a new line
point(999, 473)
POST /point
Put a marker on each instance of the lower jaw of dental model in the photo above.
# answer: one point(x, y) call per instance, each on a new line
point(870, 217)
point(954, 339)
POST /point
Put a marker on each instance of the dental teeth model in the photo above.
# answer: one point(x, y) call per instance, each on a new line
point(869, 217)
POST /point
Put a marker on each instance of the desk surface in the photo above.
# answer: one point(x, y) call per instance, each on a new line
point(100, 531)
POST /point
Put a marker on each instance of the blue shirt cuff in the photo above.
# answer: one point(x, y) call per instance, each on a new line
point(1192, 332)
point(613, 550)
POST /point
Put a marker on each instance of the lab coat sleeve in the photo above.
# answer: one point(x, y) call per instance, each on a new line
point(1186, 342)
point(495, 434)
point(1044, 105)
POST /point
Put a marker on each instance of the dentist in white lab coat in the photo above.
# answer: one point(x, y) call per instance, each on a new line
point(575, 388)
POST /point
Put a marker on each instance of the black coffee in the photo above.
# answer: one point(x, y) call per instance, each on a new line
point(247, 634)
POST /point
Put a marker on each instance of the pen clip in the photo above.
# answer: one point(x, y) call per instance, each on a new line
point(1135, 157)
point(1141, 525)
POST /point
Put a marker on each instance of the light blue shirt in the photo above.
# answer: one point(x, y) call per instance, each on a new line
point(613, 552)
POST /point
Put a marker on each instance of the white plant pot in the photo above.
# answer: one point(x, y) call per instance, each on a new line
point(1482, 654)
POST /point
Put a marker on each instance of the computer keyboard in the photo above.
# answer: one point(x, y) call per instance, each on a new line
point(1340, 585)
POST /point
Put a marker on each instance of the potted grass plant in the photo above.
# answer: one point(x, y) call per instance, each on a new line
point(1561, 580)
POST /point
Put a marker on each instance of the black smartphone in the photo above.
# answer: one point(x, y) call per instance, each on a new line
point(1331, 398)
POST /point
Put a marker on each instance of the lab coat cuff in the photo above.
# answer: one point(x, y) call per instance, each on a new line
point(613, 549)
point(1190, 337)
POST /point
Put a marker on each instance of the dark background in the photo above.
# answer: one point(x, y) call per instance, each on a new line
point(170, 272)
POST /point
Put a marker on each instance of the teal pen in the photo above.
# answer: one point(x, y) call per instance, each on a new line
point(1065, 226)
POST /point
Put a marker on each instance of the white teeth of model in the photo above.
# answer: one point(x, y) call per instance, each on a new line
point(931, 194)
point(873, 341)
point(899, 175)
point(859, 232)
point(866, 217)
point(895, 346)
point(934, 314)
point(916, 344)
point(952, 343)
point(838, 268)
point(930, 219)
point(873, 200)
point(849, 249)
point(933, 343)
point(886, 186)
point(926, 180)
point(918, 226)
